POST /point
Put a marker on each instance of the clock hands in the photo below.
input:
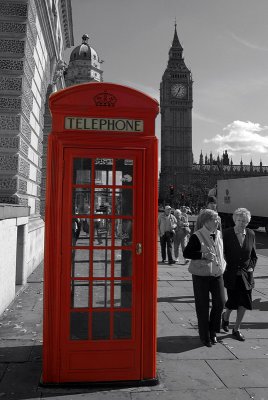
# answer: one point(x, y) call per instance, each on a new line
point(178, 90)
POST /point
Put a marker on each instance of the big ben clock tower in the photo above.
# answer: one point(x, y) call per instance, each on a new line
point(176, 102)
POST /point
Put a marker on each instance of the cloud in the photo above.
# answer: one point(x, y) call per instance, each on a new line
point(242, 138)
point(253, 46)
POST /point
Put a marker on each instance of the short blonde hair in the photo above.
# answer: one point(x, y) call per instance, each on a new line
point(242, 212)
point(205, 216)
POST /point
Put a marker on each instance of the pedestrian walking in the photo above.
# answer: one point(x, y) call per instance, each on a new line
point(240, 255)
point(205, 249)
point(181, 234)
point(167, 224)
point(211, 205)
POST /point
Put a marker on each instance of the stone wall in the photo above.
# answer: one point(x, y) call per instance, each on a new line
point(14, 239)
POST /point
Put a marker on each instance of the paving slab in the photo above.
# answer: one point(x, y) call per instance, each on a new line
point(210, 394)
point(21, 378)
point(188, 374)
point(183, 317)
point(176, 331)
point(83, 394)
point(250, 349)
point(15, 350)
point(257, 393)
point(187, 348)
point(241, 373)
point(182, 305)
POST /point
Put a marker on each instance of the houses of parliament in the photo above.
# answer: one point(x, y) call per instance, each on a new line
point(182, 179)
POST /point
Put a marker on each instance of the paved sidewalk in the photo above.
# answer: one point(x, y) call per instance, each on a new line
point(187, 370)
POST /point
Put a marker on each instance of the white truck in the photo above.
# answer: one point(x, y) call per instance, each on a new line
point(250, 193)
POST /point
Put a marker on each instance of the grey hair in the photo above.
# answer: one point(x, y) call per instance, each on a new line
point(243, 212)
point(205, 216)
point(177, 211)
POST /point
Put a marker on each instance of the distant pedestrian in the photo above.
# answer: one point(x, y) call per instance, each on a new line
point(167, 224)
point(240, 255)
point(211, 205)
point(181, 234)
point(205, 249)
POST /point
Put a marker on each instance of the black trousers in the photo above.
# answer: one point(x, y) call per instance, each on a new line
point(209, 321)
point(166, 244)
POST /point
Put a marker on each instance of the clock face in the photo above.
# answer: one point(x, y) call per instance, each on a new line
point(178, 90)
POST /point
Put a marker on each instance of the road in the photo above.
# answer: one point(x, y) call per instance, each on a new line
point(262, 242)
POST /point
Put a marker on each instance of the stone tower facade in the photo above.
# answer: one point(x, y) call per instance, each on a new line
point(84, 65)
point(176, 101)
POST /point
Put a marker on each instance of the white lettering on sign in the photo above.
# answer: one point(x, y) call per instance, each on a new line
point(104, 124)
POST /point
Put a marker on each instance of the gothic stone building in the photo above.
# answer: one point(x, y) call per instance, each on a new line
point(181, 179)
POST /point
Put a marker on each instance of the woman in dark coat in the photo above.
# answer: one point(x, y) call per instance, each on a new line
point(240, 255)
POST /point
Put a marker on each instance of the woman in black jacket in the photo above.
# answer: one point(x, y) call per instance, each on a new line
point(240, 255)
point(205, 250)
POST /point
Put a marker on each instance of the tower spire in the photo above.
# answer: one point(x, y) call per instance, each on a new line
point(176, 42)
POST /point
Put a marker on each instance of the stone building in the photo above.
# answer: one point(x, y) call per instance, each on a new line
point(33, 37)
point(84, 65)
point(181, 179)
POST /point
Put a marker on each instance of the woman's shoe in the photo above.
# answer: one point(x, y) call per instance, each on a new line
point(238, 335)
point(206, 343)
point(224, 324)
point(213, 339)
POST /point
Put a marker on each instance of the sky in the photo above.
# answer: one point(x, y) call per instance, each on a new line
point(225, 46)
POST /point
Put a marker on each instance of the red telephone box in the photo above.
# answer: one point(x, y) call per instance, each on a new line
point(101, 236)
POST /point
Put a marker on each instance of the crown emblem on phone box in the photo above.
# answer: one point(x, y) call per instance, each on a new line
point(105, 99)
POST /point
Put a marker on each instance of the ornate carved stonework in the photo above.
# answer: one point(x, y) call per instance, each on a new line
point(37, 206)
point(40, 148)
point(8, 162)
point(22, 201)
point(11, 65)
point(8, 184)
point(10, 8)
point(22, 186)
point(25, 108)
point(38, 177)
point(28, 72)
point(10, 83)
point(10, 104)
point(8, 199)
point(24, 167)
point(29, 54)
point(24, 147)
point(9, 122)
point(27, 93)
point(9, 142)
point(12, 46)
point(26, 129)
point(12, 27)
